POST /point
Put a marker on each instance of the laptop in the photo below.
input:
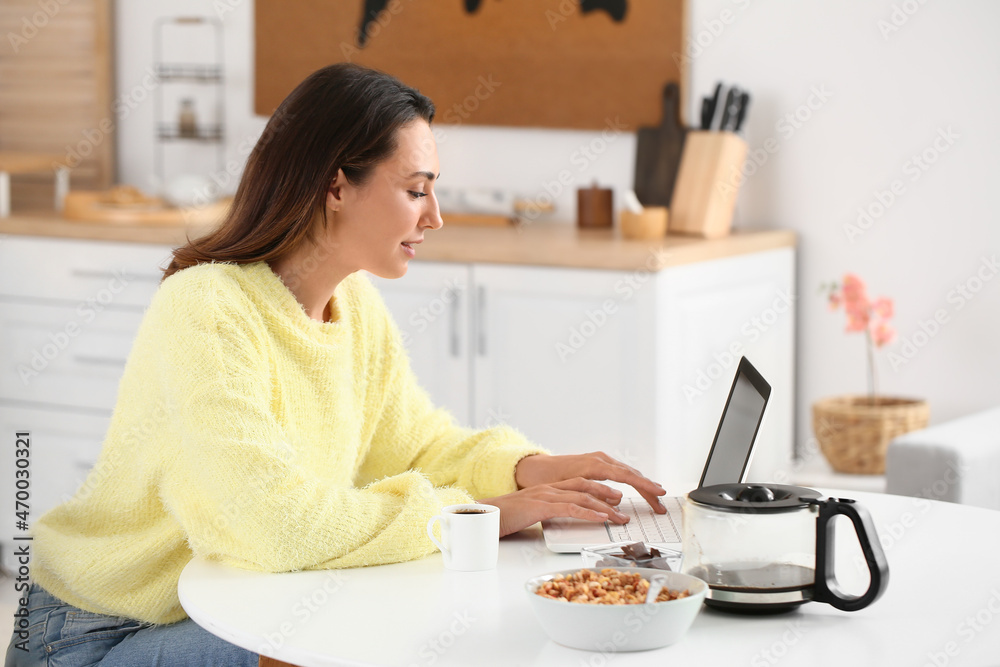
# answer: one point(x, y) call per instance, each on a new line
point(728, 461)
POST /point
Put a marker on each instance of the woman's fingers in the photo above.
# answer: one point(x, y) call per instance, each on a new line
point(605, 467)
point(596, 489)
point(559, 495)
point(580, 496)
point(542, 469)
point(555, 500)
point(526, 507)
point(576, 512)
point(612, 497)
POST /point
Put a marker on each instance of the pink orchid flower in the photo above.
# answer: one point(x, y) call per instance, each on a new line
point(866, 315)
point(856, 321)
point(854, 289)
point(883, 308)
point(883, 334)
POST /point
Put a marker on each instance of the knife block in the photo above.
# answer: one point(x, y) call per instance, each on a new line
point(708, 181)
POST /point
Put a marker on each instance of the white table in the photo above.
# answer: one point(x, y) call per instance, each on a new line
point(942, 607)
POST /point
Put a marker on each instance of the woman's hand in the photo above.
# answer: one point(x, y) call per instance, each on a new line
point(578, 498)
point(544, 469)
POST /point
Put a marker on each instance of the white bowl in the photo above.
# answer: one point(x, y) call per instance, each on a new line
point(610, 628)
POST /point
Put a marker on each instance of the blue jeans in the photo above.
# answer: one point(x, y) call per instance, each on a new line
point(61, 635)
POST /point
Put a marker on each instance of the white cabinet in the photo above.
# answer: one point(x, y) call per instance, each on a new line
point(635, 363)
point(537, 348)
point(64, 446)
point(708, 315)
point(56, 357)
point(431, 305)
point(559, 355)
point(84, 274)
point(69, 311)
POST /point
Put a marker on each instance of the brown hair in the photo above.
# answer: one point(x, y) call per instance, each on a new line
point(343, 116)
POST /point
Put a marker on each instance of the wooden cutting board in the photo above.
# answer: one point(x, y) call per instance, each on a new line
point(90, 206)
point(658, 152)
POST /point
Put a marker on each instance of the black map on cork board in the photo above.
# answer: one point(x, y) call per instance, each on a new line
point(583, 64)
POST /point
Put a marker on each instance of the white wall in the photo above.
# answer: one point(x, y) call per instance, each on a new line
point(889, 96)
point(891, 92)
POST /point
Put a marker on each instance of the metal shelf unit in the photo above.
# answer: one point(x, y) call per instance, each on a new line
point(169, 131)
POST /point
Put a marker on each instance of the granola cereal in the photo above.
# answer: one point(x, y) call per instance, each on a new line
point(608, 586)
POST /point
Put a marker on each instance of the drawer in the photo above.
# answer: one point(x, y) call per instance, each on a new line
point(64, 447)
point(104, 273)
point(61, 355)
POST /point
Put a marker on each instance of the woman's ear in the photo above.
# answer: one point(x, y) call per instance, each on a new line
point(335, 192)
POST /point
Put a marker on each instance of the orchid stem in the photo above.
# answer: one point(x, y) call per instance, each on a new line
point(872, 381)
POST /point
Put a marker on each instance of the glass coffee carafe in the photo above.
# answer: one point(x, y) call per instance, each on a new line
point(770, 547)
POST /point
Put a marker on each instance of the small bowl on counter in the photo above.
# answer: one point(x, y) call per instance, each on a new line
point(631, 554)
point(611, 628)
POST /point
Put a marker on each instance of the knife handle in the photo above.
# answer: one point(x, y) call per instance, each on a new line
point(671, 106)
point(727, 109)
point(744, 103)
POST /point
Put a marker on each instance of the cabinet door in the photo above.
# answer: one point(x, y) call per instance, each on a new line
point(64, 447)
point(561, 355)
point(431, 306)
point(711, 314)
point(59, 355)
point(84, 274)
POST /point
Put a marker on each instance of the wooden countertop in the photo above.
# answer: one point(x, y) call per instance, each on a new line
point(564, 245)
point(21, 162)
point(534, 244)
point(51, 224)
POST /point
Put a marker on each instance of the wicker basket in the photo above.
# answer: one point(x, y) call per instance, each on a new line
point(854, 432)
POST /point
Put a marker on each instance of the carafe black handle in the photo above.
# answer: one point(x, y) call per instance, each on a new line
point(827, 588)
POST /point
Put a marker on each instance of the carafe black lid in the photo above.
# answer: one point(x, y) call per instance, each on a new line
point(753, 498)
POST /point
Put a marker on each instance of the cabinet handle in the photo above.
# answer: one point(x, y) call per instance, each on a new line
point(481, 319)
point(98, 361)
point(96, 273)
point(456, 341)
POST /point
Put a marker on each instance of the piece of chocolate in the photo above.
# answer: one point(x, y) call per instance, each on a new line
point(636, 551)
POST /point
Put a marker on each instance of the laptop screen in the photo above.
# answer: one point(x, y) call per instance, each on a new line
point(730, 456)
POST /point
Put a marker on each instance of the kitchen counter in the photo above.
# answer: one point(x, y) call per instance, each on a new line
point(535, 244)
point(51, 224)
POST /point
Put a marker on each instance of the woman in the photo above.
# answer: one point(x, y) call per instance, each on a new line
point(267, 417)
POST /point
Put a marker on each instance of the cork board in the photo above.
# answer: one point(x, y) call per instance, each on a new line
point(528, 63)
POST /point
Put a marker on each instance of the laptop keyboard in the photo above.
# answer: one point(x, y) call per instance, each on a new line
point(644, 524)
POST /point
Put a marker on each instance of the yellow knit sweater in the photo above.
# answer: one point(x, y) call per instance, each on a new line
point(248, 433)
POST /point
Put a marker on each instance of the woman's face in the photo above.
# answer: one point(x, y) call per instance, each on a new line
point(377, 227)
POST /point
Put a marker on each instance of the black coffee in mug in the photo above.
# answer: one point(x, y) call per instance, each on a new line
point(470, 511)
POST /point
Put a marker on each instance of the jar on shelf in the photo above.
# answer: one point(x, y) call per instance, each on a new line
point(187, 122)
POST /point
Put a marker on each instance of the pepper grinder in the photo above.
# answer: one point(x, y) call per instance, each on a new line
point(594, 207)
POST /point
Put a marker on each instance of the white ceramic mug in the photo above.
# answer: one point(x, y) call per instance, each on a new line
point(470, 536)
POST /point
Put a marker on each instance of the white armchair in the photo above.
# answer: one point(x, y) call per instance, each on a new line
point(957, 461)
